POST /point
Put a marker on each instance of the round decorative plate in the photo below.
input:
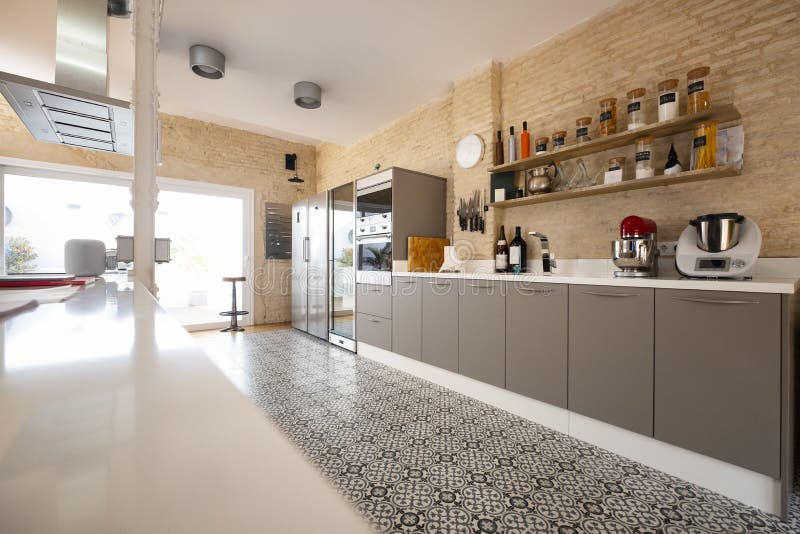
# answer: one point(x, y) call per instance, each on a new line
point(469, 151)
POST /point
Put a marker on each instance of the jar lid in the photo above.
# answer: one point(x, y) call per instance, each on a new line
point(666, 85)
point(583, 120)
point(560, 133)
point(619, 159)
point(646, 140)
point(699, 72)
point(608, 101)
point(540, 140)
point(636, 93)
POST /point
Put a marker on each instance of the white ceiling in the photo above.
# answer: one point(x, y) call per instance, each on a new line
point(375, 59)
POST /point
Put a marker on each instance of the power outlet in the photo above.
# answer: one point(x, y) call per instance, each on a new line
point(667, 248)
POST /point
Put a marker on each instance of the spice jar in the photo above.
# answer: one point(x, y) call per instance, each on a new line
point(608, 116)
point(636, 108)
point(540, 145)
point(615, 170)
point(644, 160)
point(697, 90)
point(668, 100)
point(704, 145)
point(559, 138)
point(582, 129)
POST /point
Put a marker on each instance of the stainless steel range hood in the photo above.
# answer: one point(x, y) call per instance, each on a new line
point(75, 110)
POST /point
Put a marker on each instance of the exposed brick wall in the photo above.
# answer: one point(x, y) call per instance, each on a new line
point(196, 150)
point(753, 49)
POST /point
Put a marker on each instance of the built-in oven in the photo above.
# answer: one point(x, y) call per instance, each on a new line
point(374, 197)
point(374, 259)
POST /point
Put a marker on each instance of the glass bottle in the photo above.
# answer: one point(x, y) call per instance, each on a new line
point(644, 160)
point(517, 253)
point(668, 100)
point(582, 129)
point(636, 108)
point(498, 149)
point(608, 117)
point(501, 253)
point(525, 141)
point(697, 90)
point(704, 145)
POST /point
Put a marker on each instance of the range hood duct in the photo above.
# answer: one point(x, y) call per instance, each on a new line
point(75, 109)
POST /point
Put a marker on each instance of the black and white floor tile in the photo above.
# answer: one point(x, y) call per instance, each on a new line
point(412, 456)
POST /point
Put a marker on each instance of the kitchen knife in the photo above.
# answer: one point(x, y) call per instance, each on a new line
point(477, 209)
point(469, 214)
point(484, 208)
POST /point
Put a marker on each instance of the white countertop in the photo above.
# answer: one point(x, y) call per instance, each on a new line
point(112, 420)
point(759, 284)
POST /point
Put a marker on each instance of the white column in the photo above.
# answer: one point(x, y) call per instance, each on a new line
point(145, 102)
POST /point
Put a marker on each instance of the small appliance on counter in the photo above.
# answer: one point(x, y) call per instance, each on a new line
point(718, 245)
point(636, 250)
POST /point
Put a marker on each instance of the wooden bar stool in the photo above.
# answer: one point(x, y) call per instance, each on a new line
point(233, 313)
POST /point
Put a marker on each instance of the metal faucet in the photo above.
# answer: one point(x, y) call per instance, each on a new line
point(548, 263)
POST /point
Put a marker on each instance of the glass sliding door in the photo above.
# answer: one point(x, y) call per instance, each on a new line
point(342, 270)
point(41, 214)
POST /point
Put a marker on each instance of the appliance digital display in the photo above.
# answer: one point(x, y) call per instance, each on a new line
point(713, 264)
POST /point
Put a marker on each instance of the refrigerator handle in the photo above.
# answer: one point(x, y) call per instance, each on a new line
point(305, 248)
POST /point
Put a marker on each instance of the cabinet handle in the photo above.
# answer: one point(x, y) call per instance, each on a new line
point(374, 320)
point(479, 286)
point(602, 294)
point(406, 281)
point(441, 284)
point(528, 291)
point(715, 301)
point(371, 290)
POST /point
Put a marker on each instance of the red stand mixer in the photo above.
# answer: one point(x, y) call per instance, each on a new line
point(636, 250)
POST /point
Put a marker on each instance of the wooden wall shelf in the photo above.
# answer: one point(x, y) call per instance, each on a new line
point(722, 171)
point(724, 113)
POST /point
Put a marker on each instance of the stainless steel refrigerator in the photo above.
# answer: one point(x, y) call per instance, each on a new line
point(342, 287)
point(310, 265)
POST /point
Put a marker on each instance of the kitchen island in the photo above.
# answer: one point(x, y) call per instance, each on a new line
point(115, 421)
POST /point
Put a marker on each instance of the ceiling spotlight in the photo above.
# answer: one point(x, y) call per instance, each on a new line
point(207, 62)
point(296, 179)
point(307, 95)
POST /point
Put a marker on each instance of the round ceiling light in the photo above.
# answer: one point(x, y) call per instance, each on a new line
point(307, 95)
point(207, 62)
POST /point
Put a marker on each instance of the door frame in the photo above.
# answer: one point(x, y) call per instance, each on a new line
point(58, 171)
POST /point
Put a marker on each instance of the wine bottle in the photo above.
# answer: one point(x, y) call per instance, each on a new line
point(501, 253)
point(517, 253)
point(498, 149)
point(512, 146)
point(525, 141)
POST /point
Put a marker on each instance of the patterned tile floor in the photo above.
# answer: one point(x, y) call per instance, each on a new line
point(412, 456)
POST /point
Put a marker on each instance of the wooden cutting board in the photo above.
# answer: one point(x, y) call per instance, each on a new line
point(426, 254)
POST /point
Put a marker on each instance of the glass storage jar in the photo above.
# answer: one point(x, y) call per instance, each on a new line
point(608, 116)
point(559, 138)
point(615, 170)
point(540, 145)
point(644, 157)
point(668, 100)
point(697, 90)
point(636, 108)
point(582, 129)
point(704, 145)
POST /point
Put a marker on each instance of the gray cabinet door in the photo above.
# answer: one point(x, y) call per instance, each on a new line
point(536, 341)
point(482, 331)
point(374, 300)
point(375, 331)
point(611, 355)
point(440, 323)
point(717, 381)
point(407, 317)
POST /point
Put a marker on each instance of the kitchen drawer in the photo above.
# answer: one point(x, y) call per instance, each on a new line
point(407, 317)
point(718, 375)
point(611, 355)
point(374, 300)
point(536, 341)
point(375, 331)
